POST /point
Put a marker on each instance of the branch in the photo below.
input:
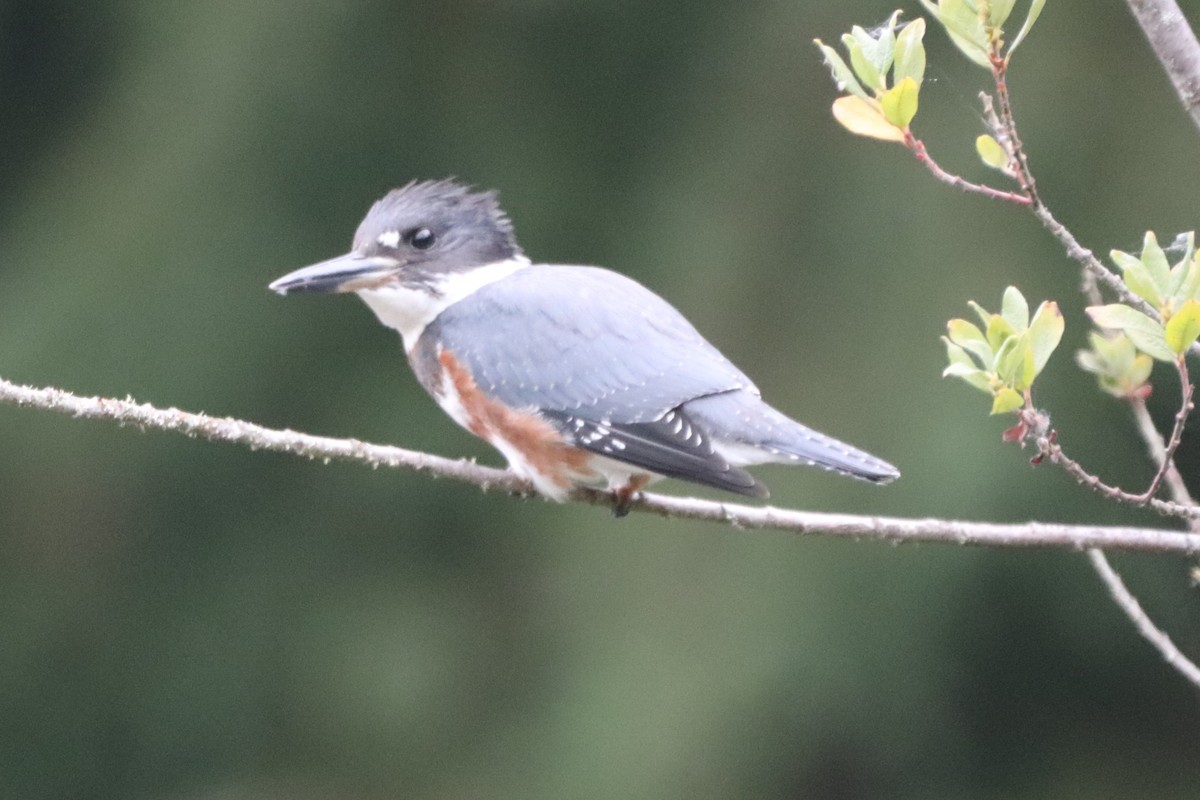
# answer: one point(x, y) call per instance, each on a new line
point(1049, 448)
point(1156, 447)
point(1175, 44)
point(1005, 125)
point(1166, 460)
point(1145, 626)
point(917, 147)
point(889, 529)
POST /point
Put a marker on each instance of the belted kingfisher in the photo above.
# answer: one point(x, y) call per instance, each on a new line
point(577, 375)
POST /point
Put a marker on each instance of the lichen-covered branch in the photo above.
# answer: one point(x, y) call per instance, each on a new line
point(1174, 42)
point(853, 526)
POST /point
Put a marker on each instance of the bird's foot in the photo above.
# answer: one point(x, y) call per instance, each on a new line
point(625, 496)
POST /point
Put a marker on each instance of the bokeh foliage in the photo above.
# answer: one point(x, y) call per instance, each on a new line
point(184, 620)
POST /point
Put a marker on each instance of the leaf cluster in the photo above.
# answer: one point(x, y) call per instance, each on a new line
point(1004, 354)
point(1172, 290)
point(872, 107)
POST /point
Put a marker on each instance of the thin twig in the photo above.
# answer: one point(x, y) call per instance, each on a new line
point(1049, 449)
point(1145, 626)
point(1175, 44)
point(1155, 446)
point(1166, 461)
point(852, 526)
point(1094, 269)
point(917, 147)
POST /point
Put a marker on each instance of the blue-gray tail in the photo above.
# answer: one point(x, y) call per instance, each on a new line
point(745, 430)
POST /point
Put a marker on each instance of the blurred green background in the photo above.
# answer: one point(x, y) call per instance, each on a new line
point(181, 619)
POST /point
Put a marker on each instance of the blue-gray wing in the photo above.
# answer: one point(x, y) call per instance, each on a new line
point(583, 341)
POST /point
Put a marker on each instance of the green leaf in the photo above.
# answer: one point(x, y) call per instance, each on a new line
point(1183, 327)
point(998, 11)
point(1007, 400)
point(843, 76)
point(1137, 277)
point(1179, 272)
point(1015, 309)
point(1045, 332)
point(1118, 368)
point(1089, 361)
point(970, 338)
point(991, 152)
point(1011, 362)
point(864, 118)
point(900, 103)
point(1035, 8)
point(885, 45)
point(1139, 371)
point(1146, 333)
point(910, 52)
point(1190, 286)
point(964, 28)
point(863, 67)
point(1155, 261)
point(975, 377)
point(998, 331)
point(984, 315)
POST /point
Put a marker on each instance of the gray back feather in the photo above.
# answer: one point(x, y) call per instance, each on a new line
point(584, 341)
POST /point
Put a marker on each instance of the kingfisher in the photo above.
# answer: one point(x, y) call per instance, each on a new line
point(578, 375)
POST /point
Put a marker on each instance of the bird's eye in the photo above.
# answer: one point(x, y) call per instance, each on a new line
point(421, 238)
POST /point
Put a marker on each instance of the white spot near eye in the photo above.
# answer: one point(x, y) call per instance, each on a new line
point(389, 238)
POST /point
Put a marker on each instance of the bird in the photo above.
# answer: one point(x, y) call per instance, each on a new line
point(578, 375)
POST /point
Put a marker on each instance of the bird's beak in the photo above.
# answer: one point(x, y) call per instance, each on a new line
point(347, 273)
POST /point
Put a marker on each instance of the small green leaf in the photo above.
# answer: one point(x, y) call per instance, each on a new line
point(970, 338)
point(1007, 400)
point(864, 67)
point(1155, 261)
point(1118, 368)
point(975, 377)
point(957, 355)
point(864, 118)
point(964, 28)
point(1035, 8)
point(1089, 361)
point(1015, 309)
point(991, 152)
point(843, 76)
point(998, 11)
point(998, 331)
point(1146, 333)
point(1183, 327)
point(1008, 359)
point(900, 103)
point(1179, 272)
point(910, 52)
point(1045, 332)
point(984, 315)
point(1189, 288)
point(1137, 277)
point(1139, 370)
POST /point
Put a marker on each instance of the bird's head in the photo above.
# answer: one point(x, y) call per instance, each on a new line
point(415, 236)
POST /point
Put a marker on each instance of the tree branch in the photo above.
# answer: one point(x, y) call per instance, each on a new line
point(889, 529)
point(1166, 461)
point(1049, 448)
point(917, 148)
point(1175, 44)
point(1145, 626)
point(1157, 448)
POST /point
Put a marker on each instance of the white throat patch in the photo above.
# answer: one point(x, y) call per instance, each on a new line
point(410, 310)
